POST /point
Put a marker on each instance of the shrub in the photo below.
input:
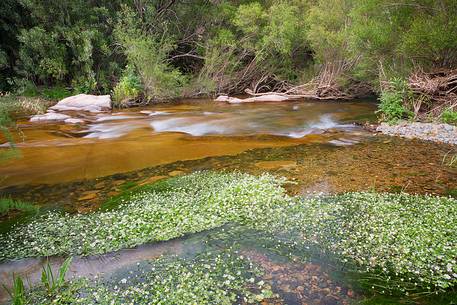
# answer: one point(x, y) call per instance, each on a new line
point(84, 84)
point(449, 116)
point(148, 53)
point(128, 89)
point(56, 93)
point(394, 100)
point(25, 87)
point(41, 55)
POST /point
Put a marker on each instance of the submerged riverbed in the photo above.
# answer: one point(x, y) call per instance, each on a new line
point(315, 145)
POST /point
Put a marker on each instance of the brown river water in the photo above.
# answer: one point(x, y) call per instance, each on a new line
point(316, 144)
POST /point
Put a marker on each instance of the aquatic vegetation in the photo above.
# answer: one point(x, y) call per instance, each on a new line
point(17, 293)
point(397, 242)
point(8, 204)
point(53, 286)
point(223, 277)
point(191, 204)
point(406, 241)
point(51, 282)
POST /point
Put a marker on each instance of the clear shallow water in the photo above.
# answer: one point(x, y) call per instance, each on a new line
point(303, 279)
point(297, 274)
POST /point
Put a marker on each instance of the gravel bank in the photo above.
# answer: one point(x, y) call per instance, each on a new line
point(441, 133)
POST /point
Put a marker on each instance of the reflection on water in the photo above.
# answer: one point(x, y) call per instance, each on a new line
point(134, 139)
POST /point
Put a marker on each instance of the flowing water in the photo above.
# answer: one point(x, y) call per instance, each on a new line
point(316, 144)
point(129, 140)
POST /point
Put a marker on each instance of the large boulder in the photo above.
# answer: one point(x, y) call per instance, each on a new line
point(84, 102)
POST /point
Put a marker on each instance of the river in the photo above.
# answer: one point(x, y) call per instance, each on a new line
point(318, 145)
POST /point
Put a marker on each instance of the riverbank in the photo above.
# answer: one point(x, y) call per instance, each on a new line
point(440, 133)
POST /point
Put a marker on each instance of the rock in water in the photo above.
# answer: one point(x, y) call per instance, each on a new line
point(84, 102)
point(231, 100)
point(260, 98)
point(80, 102)
point(74, 121)
point(49, 116)
point(268, 98)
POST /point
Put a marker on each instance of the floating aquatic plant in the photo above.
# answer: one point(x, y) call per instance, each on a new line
point(192, 204)
point(406, 241)
point(222, 277)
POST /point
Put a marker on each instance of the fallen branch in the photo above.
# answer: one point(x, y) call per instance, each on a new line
point(439, 88)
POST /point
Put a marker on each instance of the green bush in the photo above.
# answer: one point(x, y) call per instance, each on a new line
point(148, 53)
point(55, 93)
point(394, 100)
point(25, 87)
point(84, 84)
point(128, 89)
point(41, 55)
point(449, 116)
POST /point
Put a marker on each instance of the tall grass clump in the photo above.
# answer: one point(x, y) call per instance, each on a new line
point(8, 204)
point(17, 293)
point(449, 116)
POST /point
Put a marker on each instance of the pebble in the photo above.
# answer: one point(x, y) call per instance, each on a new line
point(88, 196)
point(152, 180)
point(441, 133)
point(176, 173)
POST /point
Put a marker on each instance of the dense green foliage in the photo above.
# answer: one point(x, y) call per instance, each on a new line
point(375, 233)
point(128, 88)
point(393, 101)
point(69, 43)
point(206, 47)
